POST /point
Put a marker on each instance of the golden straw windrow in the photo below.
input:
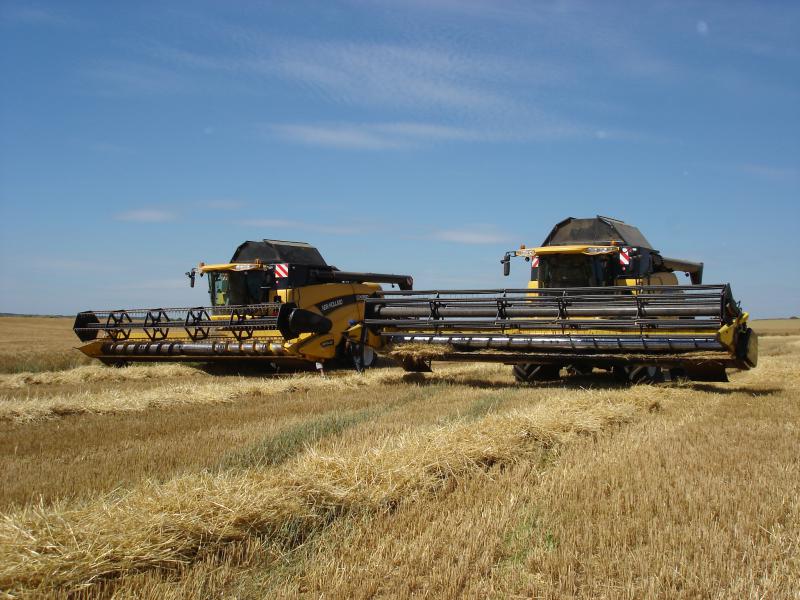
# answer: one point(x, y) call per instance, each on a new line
point(162, 525)
point(21, 403)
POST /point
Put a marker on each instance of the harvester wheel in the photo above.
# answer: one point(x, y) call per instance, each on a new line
point(528, 372)
point(369, 357)
point(413, 364)
point(579, 370)
point(645, 374)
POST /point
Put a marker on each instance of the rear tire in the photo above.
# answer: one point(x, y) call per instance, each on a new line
point(529, 372)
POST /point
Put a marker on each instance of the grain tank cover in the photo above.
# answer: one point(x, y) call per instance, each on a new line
point(279, 251)
point(599, 231)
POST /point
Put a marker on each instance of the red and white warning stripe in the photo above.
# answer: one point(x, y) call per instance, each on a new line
point(282, 270)
point(624, 256)
point(534, 262)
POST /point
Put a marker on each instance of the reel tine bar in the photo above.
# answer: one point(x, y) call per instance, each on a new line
point(193, 324)
point(196, 323)
point(634, 308)
point(115, 325)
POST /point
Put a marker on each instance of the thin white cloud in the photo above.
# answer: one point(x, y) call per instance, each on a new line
point(471, 236)
point(146, 215)
point(481, 95)
point(33, 15)
point(114, 77)
point(623, 135)
point(394, 75)
point(771, 172)
point(702, 27)
point(223, 204)
point(109, 148)
point(172, 283)
point(606, 33)
point(353, 137)
point(398, 135)
point(284, 224)
point(386, 75)
point(507, 10)
point(67, 264)
point(374, 136)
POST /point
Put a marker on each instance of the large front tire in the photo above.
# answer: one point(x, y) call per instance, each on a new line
point(529, 372)
point(364, 359)
point(349, 356)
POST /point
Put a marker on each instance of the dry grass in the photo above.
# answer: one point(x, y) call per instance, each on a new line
point(696, 505)
point(37, 344)
point(98, 373)
point(20, 407)
point(776, 326)
point(165, 525)
point(453, 484)
point(77, 458)
point(420, 351)
point(701, 499)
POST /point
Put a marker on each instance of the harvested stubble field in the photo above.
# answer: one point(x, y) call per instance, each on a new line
point(38, 344)
point(167, 482)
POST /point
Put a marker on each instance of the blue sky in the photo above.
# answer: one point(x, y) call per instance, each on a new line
point(422, 137)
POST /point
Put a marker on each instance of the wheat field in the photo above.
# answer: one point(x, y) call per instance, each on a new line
point(168, 482)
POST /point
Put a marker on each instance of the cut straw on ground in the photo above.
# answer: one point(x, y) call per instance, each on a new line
point(33, 407)
point(160, 526)
point(98, 373)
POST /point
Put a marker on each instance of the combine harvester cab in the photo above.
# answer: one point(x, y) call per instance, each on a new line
point(599, 297)
point(275, 302)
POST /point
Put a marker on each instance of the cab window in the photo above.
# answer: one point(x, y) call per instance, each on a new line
point(575, 270)
point(218, 288)
point(566, 270)
point(237, 288)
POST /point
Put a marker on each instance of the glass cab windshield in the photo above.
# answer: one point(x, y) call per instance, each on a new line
point(231, 288)
point(575, 270)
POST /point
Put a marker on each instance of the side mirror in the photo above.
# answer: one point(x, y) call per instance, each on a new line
point(190, 275)
point(506, 265)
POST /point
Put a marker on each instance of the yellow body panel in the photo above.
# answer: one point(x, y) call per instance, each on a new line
point(661, 278)
point(582, 249)
point(323, 299)
point(230, 267)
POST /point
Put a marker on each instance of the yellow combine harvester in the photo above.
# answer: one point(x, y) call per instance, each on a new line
point(275, 302)
point(599, 296)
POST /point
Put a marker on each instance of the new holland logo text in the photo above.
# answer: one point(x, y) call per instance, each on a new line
point(331, 304)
